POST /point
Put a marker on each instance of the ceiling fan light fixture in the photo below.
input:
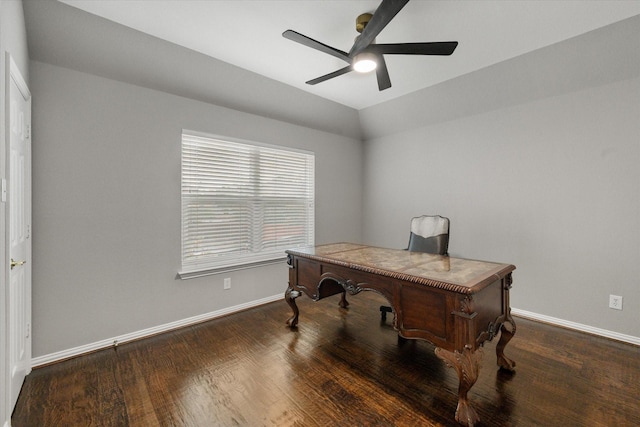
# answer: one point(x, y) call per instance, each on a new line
point(365, 62)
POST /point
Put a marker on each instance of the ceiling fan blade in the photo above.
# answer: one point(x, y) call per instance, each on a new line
point(326, 77)
point(314, 44)
point(384, 81)
point(430, 48)
point(381, 17)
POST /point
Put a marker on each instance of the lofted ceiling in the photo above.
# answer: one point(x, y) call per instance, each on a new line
point(248, 34)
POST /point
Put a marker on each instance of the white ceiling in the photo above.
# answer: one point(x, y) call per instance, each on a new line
point(248, 34)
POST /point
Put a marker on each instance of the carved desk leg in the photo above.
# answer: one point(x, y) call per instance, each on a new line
point(343, 300)
point(289, 296)
point(503, 361)
point(467, 366)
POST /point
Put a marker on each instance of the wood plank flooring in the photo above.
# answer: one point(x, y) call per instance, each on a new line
point(341, 367)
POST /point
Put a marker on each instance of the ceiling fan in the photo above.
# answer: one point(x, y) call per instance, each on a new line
point(365, 55)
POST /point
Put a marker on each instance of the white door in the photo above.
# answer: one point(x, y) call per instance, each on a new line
point(19, 221)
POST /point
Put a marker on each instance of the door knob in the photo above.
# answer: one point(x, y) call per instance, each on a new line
point(17, 263)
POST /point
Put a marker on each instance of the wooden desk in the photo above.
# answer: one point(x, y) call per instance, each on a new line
point(456, 304)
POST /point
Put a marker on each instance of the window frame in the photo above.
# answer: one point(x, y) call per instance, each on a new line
point(256, 203)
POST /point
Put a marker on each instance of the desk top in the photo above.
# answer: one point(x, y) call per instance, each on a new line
point(439, 271)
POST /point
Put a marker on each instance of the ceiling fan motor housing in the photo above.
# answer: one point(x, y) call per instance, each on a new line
point(362, 21)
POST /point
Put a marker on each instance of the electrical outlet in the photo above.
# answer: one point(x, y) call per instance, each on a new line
point(227, 283)
point(615, 302)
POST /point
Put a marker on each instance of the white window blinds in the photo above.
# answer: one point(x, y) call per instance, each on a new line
point(243, 203)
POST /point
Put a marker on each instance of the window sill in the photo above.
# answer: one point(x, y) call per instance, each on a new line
point(204, 271)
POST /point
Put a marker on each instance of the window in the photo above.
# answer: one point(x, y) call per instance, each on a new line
point(242, 203)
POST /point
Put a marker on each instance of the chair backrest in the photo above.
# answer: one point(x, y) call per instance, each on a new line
point(429, 233)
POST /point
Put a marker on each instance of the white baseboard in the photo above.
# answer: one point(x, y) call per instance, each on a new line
point(99, 345)
point(77, 351)
point(576, 326)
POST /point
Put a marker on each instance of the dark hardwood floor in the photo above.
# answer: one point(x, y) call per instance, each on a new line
point(339, 368)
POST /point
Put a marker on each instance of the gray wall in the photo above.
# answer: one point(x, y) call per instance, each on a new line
point(534, 160)
point(71, 38)
point(106, 226)
point(551, 186)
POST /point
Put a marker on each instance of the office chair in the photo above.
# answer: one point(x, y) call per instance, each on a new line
point(430, 234)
